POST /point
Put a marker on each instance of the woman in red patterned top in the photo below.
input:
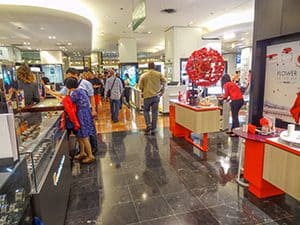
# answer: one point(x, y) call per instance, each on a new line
point(233, 92)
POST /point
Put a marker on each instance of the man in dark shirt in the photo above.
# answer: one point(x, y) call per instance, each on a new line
point(97, 85)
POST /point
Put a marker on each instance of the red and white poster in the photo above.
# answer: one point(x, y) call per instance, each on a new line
point(282, 80)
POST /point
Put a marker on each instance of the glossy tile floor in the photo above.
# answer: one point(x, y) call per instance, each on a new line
point(158, 180)
point(129, 119)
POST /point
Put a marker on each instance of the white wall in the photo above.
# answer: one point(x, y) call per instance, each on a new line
point(231, 62)
point(51, 57)
point(246, 61)
point(127, 50)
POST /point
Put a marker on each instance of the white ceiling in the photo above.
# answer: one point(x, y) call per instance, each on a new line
point(110, 20)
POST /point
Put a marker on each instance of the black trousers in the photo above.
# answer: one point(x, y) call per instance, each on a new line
point(235, 106)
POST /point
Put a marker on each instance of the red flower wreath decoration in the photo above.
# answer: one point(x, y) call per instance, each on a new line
point(205, 67)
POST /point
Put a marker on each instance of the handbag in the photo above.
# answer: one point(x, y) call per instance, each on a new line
point(108, 94)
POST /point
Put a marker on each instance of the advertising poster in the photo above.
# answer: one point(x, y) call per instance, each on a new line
point(282, 80)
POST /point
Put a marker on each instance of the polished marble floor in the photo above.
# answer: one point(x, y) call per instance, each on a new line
point(129, 119)
point(158, 180)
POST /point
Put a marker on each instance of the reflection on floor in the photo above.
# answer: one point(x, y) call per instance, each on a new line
point(157, 180)
point(129, 119)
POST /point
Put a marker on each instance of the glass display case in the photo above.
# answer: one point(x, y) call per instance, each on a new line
point(38, 137)
point(14, 195)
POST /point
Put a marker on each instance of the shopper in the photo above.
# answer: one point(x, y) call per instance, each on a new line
point(85, 118)
point(26, 82)
point(127, 89)
point(123, 85)
point(44, 81)
point(97, 85)
point(88, 87)
point(113, 91)
point(152, 84)
point(234, 94)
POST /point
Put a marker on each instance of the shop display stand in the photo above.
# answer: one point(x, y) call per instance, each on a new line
point(185, 120)
point(254, 165)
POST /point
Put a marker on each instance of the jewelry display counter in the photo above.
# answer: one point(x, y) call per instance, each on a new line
point(14, 195)
point(46, 152)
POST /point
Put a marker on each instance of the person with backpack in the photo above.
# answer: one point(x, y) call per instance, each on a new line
point(79, 97)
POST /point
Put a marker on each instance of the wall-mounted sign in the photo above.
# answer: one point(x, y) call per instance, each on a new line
point(139, 14)
point(282, 80)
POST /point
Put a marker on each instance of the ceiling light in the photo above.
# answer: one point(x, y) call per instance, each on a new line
point(50, 37)
point(69, 43)
point(229, 36)
point(232, 45)
point(102, 34)
point(29, 48)
point(53, 37)
point(190, 23)
point(149, 32)
point(42, 28)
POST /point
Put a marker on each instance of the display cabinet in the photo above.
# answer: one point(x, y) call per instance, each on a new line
point(14, 195)
point(38, 137)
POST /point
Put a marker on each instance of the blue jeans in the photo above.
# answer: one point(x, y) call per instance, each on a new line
point(151, 103)
point(114, 109)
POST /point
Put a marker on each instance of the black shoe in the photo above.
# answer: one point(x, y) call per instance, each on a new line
point(153, 131)
point(148, 130)
point(94, 150)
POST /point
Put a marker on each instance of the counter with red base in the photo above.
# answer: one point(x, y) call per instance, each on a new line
point(282, 166)
point(185, 119)
point(254, 163)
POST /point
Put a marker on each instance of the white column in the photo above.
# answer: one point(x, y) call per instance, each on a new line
point(127, 50)
point(180, 42)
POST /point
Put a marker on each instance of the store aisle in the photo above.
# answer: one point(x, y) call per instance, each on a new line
point(157, 180)
point(129, 119)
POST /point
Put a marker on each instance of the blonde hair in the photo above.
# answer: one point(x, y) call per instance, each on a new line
point(24, 74)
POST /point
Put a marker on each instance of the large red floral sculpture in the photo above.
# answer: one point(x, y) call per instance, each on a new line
point(205, 67)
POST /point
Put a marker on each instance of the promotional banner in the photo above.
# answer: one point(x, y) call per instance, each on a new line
point(282, 82)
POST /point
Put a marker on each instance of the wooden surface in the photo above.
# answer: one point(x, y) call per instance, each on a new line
point(198, 121)
point(281, 168)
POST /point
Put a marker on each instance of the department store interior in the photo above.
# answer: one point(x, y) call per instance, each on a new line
point(223, 147)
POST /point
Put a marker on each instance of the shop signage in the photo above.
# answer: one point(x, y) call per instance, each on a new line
point(139, 14)
point(282, 80)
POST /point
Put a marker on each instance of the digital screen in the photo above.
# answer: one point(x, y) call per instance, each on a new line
point(9, 78)
point(132, 71)
point(53, 72)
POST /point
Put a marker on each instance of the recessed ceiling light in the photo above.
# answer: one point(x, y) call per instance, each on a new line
point(190, 23)
point(229, 36)
point(69, 43)
point(50, 37)
point(29, 48)
point(42, 28)
point(53, 37)
point(149, 32)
